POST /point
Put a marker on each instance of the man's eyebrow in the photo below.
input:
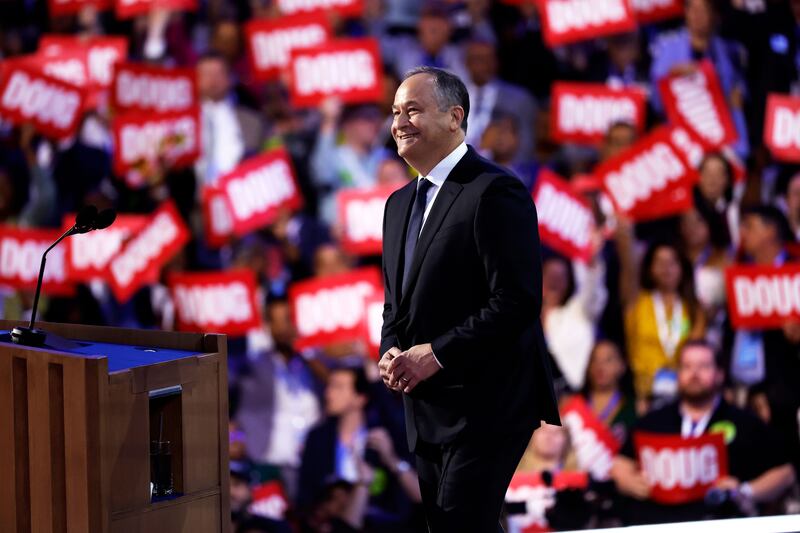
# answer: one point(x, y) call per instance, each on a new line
point(410, 102)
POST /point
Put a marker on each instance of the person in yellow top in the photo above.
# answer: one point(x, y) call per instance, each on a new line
point(661, 313)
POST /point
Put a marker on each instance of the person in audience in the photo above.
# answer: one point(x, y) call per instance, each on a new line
point(759, 471)
point(714, 195)
point(605, 392)
point(573, 297)
point(661, 313)
point(279, 399)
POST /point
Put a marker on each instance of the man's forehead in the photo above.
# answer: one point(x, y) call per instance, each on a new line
point(417, 88)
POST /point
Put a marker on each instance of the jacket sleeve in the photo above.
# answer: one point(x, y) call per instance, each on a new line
point(507, 239)
point(388, 335)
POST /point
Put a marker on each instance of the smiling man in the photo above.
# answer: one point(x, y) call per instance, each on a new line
point(461, 338)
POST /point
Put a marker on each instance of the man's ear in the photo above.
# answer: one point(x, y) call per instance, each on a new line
point(456, 117)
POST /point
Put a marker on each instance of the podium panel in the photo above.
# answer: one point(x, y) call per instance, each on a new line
point(114, 431)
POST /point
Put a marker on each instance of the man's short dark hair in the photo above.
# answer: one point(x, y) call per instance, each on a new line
point(772, 216)
point(705, 345)
point(450, 90)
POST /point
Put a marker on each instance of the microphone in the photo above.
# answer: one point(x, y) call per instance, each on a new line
point(87, 219)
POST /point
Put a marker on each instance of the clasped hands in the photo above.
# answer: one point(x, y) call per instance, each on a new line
point(403, 371)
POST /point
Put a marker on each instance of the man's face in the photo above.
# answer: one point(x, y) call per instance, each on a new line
point(754, 232)
point(340, 393)
point(699, 378)
point(419, 127)
point(481, 63)
point(281, 325)
point(619, 138)
point(213, 82)
point(698, 17)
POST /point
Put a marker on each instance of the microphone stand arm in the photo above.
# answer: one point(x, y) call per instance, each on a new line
point(66, 234)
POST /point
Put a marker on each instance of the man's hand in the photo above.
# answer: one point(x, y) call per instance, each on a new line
point(383, 365)
point(411, 367)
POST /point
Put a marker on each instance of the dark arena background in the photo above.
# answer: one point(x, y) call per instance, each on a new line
point(208, 362)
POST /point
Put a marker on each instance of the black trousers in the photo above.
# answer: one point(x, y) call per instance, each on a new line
point(464, 483)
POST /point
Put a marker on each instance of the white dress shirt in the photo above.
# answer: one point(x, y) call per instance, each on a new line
point(438, 175)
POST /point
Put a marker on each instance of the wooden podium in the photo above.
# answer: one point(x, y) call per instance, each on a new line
point(76, 425)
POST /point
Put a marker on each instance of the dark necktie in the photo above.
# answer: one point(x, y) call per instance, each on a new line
point(414, 226)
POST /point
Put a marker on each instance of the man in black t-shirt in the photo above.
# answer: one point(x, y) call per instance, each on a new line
point(758, 465)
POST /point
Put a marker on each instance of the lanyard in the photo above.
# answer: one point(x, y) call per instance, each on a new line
point(610, 408)
point(669, 331)
point(690, 428)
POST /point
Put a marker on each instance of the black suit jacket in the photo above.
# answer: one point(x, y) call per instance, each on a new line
point(474, 293)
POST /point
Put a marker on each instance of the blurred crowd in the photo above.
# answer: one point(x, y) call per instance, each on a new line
point(641, 331)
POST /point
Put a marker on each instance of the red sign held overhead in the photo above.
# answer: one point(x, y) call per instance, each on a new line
point(270, 41)
point(88, 254)
point(97, 54)
point(142, 257)
point(347, 68)
point(146, 88)
point(333, 308)
point(345, 8)
point(131, 8)
point(565, 219)
point(361, 218)
point(21, 252)
point(594, 444)
point(59, 8)
point(782, 127)
point(647, 11)
point(649, 180)
point(762, 297)
point(259, 188)
point(224, 302)
point(140, 138)
point(583, 112)
point(51, 105)
point(217, 217)
point(569, 21)
point(681, 470)
point(696, 102)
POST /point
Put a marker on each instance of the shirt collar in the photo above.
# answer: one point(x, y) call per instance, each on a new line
point(439, 173)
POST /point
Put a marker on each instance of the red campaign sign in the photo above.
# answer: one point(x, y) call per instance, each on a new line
point(345, 8)
point(373, 324)
point(529, 488)
point(54, 107)
point(259, 188)
point(649, 180)
point(347, 68)
point(98, 55)
point(696, 102)
point(21, 252)
point(594, 444)
point(332, 308)
point(648, 11)
point(270, 41)
point(569, 21)
point(565, 218)
point(141, 138)
point(583, 112)
point(132, 8)
point(782, 127)
point(693, 151)
point(217, 217)
point(142, 257)
point(361, 218)
point(223, 302)
point(680, 470)
point(269, 500)
point(88, 254)
point(763, 297)
point(146, 88)
point(60, 8)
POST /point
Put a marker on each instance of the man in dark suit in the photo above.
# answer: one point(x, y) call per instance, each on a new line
point(461, 338)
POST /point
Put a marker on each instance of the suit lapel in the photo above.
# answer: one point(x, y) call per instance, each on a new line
point(445, 198)
point(395, 236)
